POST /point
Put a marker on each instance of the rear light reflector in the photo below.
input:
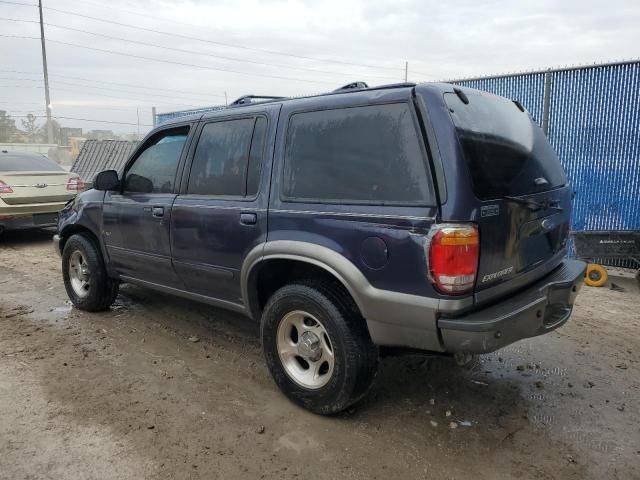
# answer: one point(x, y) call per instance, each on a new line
point(74, 184)
point(4, 188)
point(453, 255)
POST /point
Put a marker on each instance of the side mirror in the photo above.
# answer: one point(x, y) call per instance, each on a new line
point(107, 180)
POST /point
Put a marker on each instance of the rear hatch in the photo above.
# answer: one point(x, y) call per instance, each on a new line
point(523, 199)
point(28, 178)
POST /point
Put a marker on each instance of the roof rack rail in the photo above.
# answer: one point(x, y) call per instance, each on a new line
point(248, 99)
point(352, 86)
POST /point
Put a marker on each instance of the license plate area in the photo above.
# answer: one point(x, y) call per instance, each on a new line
point(45, 218)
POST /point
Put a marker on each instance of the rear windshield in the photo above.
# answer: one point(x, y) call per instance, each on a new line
point(506, 152)
point(27, 163)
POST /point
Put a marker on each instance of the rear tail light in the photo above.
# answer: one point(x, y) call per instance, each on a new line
point(453, 255)
point(74, 184)
point(4, 188)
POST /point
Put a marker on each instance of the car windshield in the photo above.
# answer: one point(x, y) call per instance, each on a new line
point(506, 152)
point(27, 163)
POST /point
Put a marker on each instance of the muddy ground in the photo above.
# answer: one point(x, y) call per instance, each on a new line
point(131, 394)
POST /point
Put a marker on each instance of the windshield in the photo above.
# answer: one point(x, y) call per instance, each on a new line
point(506, 152)
point(27, 163)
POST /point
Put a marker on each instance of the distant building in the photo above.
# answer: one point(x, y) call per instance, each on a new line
point(101, 135)
point(67, 132)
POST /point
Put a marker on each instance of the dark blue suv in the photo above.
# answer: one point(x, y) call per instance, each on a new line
point(421, 216)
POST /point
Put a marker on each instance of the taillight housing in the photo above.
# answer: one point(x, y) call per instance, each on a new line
point(454, 251)
point(4, 188)
point(74, 184)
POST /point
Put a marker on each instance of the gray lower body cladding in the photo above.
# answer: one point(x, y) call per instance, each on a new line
point(541, 308)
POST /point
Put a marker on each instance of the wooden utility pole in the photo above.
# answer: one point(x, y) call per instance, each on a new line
point(46, 77)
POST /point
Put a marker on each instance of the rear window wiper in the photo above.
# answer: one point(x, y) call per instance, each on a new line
point(533, 205)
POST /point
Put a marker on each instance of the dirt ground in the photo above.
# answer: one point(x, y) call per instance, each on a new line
point(160, 387)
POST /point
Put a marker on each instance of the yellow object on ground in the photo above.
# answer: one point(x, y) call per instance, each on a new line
point(596, 275)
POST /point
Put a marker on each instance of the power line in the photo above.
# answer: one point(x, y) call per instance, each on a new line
point(150, 102)
point(84, 106)
point(196, 94)
point(86, 120)
point(59, 106)
point(188, 37)
point(204, 67)
point(21, 4)
point(191, 52)
point(99, 87)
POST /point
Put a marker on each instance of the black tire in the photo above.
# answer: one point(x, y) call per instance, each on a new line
point(102, 290)
point(356, 357)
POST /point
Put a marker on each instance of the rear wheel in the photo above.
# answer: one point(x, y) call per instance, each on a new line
point(595, 275)
point(317, 347)
point(85, 278)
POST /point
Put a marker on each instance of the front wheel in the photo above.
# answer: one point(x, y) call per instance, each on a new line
point(85, 278)
point(317, 347)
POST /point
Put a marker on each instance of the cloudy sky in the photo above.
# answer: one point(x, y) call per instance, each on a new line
point(112, 61)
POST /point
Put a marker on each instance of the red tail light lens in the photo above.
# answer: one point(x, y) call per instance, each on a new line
point(4, 188)
point(74, 184)
point(454, 251)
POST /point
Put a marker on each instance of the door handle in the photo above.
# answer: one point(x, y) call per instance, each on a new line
point(248, 218)
point(158, 212)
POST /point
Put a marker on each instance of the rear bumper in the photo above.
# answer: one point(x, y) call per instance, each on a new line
point(23, 222)
point(539, 309)
point(30, 208)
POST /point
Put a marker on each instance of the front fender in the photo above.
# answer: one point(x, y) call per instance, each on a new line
point(84, 213)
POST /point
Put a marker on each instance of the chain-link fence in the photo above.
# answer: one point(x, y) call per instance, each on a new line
point(591, 115)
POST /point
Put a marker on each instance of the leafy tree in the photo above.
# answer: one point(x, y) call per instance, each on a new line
point(8, 128)
point(55, 127)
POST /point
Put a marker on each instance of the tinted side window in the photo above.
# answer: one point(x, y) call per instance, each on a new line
point(154, 171)
point(362, 155)
point(221, 158)
point(255, 157)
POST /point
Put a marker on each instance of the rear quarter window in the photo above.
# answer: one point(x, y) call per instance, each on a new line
point(370, 154)
point(505, 151)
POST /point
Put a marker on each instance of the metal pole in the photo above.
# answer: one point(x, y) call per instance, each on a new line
point(138, 116)
point(546, 103)
point(47, 98)
point(153, 114)
point(406, 71)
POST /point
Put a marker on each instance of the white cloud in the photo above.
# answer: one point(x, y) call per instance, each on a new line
point(439, 40)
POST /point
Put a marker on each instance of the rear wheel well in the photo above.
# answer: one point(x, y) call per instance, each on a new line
point(271, 275)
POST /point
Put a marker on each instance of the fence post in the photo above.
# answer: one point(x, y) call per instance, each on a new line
point(546, 102)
